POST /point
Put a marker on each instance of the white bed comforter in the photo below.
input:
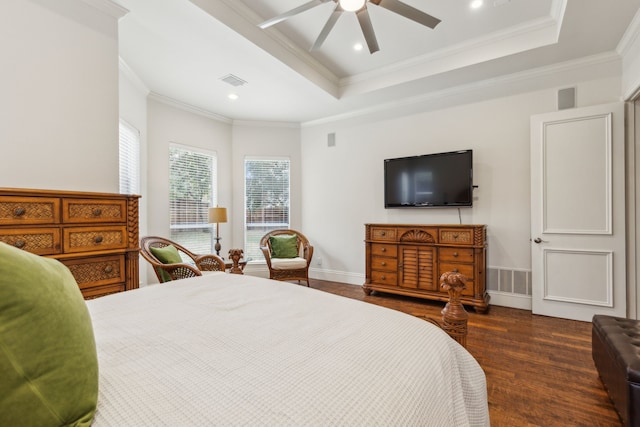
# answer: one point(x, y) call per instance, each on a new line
point(228, 350)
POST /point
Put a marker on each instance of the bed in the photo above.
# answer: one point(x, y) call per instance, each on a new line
point(227, 350)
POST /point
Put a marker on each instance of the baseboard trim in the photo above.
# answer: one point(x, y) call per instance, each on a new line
point(337, 276)
point(504, 299)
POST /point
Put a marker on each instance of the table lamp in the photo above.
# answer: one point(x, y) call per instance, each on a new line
point(217, 215)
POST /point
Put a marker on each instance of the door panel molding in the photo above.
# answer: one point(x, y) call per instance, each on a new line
point(555, 289)
point(561, 144)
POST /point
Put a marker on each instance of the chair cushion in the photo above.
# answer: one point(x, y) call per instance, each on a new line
point(288, 263)
point(166, 255)
point(48, 360)
point(284, 246)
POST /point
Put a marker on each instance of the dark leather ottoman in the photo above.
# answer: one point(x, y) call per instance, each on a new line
point(615, 348)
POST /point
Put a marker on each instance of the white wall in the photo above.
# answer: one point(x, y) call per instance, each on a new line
point(345, 182)
point(59, 109)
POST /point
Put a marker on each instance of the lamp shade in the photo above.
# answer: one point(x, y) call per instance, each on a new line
point(217, 215)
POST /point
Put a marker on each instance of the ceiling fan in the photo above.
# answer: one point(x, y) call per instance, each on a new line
point(360, 9)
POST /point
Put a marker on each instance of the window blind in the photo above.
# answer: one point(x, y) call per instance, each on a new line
point(266, 200)
point(129, 158)
point(192, 190)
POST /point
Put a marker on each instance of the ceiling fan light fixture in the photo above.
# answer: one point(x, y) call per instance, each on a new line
point(352, 5)
point(359, 8)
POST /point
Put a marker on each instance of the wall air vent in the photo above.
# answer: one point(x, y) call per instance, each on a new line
point(233, 80)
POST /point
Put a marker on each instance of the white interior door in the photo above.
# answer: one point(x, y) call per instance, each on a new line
point(578, 213)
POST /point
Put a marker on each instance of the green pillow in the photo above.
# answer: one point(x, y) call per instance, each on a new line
point(284, 246)
point(166, 255)
point(48, 360)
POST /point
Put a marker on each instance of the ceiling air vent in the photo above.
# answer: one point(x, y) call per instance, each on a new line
point(233, 80)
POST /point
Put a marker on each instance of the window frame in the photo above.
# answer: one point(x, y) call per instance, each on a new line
point(205, 226)
point(257, 234)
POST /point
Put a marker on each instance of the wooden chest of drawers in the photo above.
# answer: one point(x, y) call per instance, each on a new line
point(94, 234)
point(409, 259)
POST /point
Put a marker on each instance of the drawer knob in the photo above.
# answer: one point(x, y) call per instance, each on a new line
point(383, 277)
point(108, 269)
point(455, 270)
point(383, 263)
point(455, 236)
point(98, 239)
point(19, 211)
point(383, 250)
point(383, 233)
point(455, 254)
point(97, 212)
point(19, 244)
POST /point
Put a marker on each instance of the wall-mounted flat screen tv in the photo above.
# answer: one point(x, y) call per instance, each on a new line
point(430, 180)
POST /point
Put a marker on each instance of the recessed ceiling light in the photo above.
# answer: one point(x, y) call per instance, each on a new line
point(233, 96)
point(476, 4)
point(358, 46)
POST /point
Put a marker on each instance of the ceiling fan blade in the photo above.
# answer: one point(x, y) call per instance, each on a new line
point(407, 11)
point(367, 29)
point(292, 12)
point(328, 27)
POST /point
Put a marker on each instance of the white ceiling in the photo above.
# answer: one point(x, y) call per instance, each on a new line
point(180, 49)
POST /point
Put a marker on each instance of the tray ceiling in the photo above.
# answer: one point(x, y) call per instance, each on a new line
point(181, 49)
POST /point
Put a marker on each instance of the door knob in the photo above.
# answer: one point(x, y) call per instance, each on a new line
point(537, 240)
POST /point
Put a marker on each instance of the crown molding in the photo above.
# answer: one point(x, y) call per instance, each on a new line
point(264, 124)
point(132, 76)
point(107, 6)
point(629, 49)
point(530, 35)
point(528, 79)
point(630, 36)
point(558, 9)
point(253, 19)
point(187, 107)
point(241, 19)
point(210, 115)
point(464, 48)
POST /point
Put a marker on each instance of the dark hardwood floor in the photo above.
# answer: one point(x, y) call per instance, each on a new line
point(539, 369)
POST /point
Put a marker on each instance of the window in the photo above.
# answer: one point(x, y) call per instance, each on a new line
point(192, 190)
point(129, 159)
point(266, 187)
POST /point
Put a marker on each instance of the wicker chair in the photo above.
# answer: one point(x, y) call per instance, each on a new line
point(288, 268)
point(166, 272)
